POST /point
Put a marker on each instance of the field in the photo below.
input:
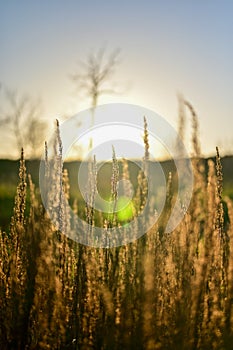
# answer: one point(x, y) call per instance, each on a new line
point(161, 291)
point(9, 179)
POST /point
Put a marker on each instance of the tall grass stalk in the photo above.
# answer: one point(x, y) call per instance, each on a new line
point(161, 291)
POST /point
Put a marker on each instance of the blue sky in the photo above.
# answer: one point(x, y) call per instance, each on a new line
point(167, 47)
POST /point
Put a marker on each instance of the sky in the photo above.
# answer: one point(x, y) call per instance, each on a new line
point(167, 48)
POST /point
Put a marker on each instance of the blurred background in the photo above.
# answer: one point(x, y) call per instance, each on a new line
point(153, 52)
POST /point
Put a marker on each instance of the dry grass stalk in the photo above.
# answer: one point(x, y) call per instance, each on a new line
point(162, 291)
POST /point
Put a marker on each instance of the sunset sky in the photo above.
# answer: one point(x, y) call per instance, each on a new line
point(167, 47)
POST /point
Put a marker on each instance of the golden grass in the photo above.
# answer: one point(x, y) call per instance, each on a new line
point(162, 291)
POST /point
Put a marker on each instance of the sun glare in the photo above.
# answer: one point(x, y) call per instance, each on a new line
point(114, 126)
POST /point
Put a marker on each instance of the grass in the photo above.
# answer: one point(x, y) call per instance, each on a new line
point(9, 178)
point(162, 291)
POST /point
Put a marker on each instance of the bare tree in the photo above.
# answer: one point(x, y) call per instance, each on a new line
point(3, 119)
point(97, 72)
point(21, 116)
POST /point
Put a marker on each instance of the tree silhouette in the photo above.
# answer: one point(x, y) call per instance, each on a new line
point(21, 116)
point(95, 79)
